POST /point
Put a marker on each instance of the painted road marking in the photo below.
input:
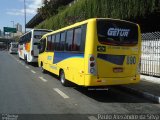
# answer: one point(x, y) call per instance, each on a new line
point(92, 118)
point(27, 67)
point(44, 80)
point(61, 93)
point(33, 71)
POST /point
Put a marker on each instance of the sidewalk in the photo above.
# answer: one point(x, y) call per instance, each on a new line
point(149, 87)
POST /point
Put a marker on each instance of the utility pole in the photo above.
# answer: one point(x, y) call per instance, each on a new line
point(13, 23)
point(13, 27)
point(25, 15)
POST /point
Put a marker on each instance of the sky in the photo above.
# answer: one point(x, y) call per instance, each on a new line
point(13, 10)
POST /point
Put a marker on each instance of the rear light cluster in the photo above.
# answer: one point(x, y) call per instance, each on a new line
point(92, 65)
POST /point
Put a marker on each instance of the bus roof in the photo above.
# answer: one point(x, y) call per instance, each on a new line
point(81, 23)
point(37, 30)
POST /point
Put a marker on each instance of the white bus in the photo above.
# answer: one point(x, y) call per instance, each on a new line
point(28, 45)
point(13, 47)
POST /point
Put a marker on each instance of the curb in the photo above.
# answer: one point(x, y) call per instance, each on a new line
point(146, 95)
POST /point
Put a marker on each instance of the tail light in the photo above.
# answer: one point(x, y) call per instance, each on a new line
point(92, 65)
point(32, 53)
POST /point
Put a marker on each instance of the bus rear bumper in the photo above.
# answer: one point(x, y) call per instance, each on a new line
point(94, 81)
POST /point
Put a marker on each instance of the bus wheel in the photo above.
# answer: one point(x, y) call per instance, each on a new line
point(26, 60)
point(63, 80)
point(19, 58)
point(42, 69)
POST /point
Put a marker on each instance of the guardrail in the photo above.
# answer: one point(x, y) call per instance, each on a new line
point(150, 59)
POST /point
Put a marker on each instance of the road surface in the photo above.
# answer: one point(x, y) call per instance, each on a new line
point(25, 90)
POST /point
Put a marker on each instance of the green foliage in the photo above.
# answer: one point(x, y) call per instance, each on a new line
point(84, 9)
point(16, 38)
point(52, 7)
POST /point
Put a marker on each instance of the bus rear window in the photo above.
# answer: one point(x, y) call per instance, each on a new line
point(114, 32)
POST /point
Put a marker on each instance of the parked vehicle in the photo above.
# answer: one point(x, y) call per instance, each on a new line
point(13, 47)
point(95, 52)
point(28, 45)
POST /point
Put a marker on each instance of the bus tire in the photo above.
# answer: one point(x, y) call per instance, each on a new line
point(25, 59)
point(42, 69)
point(19, 58)
point(63, 80)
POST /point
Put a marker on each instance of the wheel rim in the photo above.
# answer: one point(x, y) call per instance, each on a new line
point(62, 77)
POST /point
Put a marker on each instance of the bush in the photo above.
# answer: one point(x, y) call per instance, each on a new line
point(85, 9)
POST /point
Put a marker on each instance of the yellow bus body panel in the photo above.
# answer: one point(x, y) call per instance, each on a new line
point(76, 69)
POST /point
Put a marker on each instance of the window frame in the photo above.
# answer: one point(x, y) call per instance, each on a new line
point(43, 45)
point(49, 45)
point(57, 46)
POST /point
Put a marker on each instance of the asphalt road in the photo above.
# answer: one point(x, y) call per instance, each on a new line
point(25, 90)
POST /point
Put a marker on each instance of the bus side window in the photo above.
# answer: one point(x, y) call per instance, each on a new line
point(57, 47)
point(49, 43)
point(53, 43)
point(43, 45)
point(28, 37)
point(77, 39)
point(62, 41)
point(82, 47)
point(69, 39)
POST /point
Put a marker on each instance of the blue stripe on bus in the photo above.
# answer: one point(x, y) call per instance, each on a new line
point(115, 59)
point(59, 56)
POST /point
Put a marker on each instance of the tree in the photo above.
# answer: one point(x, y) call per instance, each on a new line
point(51, 7)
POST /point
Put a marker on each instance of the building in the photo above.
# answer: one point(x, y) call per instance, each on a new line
point(18, 27)
point(1, 33)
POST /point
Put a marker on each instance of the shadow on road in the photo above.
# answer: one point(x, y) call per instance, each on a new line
point(34, 64)
point(112, 95)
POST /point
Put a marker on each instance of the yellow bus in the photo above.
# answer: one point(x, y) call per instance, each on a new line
point(95, 52)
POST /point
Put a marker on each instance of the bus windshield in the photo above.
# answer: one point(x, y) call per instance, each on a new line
point(114, 32)
point(15, 45)
point(39, 33)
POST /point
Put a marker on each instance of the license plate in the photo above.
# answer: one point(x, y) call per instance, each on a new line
point(117, 70)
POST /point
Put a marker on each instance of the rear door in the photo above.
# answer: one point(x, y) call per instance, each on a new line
point(37, 35)
point(117, 50)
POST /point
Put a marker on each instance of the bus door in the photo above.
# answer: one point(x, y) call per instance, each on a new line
point(37, 35)
point(35, 50)
point(50, 53)
point(43, 53)
point(117, 50)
